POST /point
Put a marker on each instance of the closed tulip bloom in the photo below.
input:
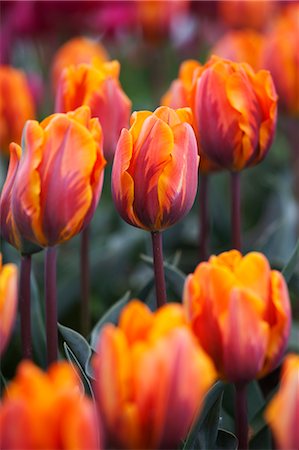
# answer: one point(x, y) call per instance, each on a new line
point(59, 177)
point(282, 413)
point(155, 169)
point(281, 58)
point(235, 112)
point(239, 309)
point(76, 51)
point(47, 411)
point(16, 106)
point(151, 377)
point(98, 87)
point(246, 13)
point(8, 301)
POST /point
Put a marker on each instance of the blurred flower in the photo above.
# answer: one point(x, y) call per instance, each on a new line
point(241, 46)
point(8, 301)
point(239, 309)
point(155, 169)
point(74, 52)
point(234, 112)
point(47, 411)
point(150, 378)
point(282, 413)
point(16, 105)
point(98, 87)
point(281, 58)
point(59, 178)
point(247, 13)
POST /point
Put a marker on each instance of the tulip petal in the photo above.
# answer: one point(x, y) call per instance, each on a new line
point(8, 301)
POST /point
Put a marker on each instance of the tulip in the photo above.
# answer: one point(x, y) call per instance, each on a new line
point(280, 57)
point(98, 87)
point(16, 106)
point(8, 301)
point(47, 411)
point(282, 413)
point(154, 175)
point(150, 378)
point(239, 309)
point(246, 13)
point(76, 51)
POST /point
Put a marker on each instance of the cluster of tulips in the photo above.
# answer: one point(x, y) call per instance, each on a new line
point(152, 370)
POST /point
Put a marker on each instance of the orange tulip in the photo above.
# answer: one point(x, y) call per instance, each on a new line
point(150, 378)
point(246, 13)
point(59, 177)
point(99, 88)
point(281, 58)
point(47, 411)
point(16, 105)
point(8, 301)
point(76, 51)
point(234, 112)
point(282, 413)
point(240, 312)
point(154, 175)
point(241, 46)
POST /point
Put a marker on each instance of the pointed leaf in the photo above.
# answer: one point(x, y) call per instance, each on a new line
point(78, 345)
point(86, 385)
point(226, 440)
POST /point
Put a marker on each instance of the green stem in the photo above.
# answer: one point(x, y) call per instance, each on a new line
point(159, 268)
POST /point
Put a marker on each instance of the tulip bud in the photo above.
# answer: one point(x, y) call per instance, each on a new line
point(47, 411)
point(98, 87)
point(237, 306)
point(151, 378)
point(155, 169)
point(59, 177)
point(16, 106)
point(282, 413)
point(234, 112)
point(76, 51)
point(8, 301)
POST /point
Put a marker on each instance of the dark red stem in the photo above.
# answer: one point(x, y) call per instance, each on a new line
point(51, 305)
point(85, 282)
point(204, 221)
point(241, 416)
point(25, 308)
point(236, 209)
point(159, 268)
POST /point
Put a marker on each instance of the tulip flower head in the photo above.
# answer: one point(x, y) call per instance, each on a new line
point(47, 411)
point(58, 180)
point(155, 169)
point(235, 112)
point(282, 413)
point(98, 87)
point(76, 51)
point(8, 301)
point(16, 106)
point(151, 377)
point(239, 309)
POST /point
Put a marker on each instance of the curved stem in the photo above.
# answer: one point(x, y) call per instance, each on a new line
point(159, 268)
point(85, 282)
point(203, 218)
point(25, 308)
point(51, 305)
point(236, 209)
point(241, 416)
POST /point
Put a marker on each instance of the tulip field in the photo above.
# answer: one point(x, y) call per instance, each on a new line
point(149, 225)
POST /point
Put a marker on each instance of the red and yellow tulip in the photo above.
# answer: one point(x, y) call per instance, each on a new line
point(8, 301)
point(151, 377)
point(76, 51)
point(282, 413)
point(98, 87)
point(239, 309)
point(155, 169)
point(47, 411)
point(235, 112)
point(52, 192)
point(16, 106)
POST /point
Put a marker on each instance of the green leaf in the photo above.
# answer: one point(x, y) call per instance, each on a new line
point(78, 345)
point(290, 267)
point(208, 421)
point(111, 316)
point(226, 440)
point(86, 385)
point(255, 399)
